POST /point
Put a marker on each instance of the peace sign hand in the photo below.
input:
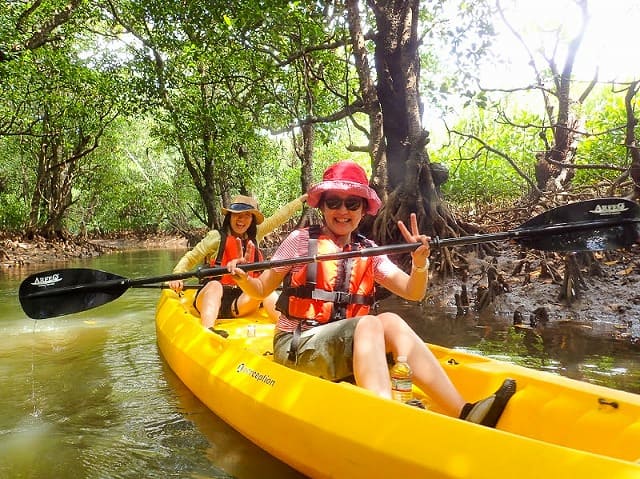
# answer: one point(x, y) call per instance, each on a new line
point(421, 255)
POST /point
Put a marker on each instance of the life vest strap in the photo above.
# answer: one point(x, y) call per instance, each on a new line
point(292, 354)
point(336, 297)
point(342, 297)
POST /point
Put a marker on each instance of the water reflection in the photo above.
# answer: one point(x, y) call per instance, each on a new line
point(226, 447)
point(87, 395)
point(67, 402)
point(587, 351)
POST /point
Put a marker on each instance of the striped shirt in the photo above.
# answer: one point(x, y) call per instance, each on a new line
point(296, 245)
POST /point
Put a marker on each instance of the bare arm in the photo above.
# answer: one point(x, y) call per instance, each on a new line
point(260, 287)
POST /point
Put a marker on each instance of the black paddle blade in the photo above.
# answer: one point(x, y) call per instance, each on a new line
point(65, 291)
point(592, 225)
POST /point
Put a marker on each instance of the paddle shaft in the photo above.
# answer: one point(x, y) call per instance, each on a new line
point(200, 273)
point(408, 247)
point(591, 225)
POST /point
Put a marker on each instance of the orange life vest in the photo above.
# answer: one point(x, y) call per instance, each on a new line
point(329, 290)
point(229, 252)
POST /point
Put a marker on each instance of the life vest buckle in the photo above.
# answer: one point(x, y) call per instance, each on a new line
point(341, 297)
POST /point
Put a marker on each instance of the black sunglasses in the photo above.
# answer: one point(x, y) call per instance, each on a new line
point(352, 203)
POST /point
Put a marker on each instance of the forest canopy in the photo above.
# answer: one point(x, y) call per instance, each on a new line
point(133, 115)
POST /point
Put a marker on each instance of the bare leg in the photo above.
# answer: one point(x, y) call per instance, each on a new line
point(208, 303)
point(269, 304)
point(369, 357)
point(246, 305)
point(428, 374)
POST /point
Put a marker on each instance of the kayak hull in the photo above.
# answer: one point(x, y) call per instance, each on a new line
point(552, 427)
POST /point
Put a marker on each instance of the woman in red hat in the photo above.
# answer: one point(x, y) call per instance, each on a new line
point(326, 326)
point(243, 223)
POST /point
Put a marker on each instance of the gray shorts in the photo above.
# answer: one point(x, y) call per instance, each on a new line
point(325, 351)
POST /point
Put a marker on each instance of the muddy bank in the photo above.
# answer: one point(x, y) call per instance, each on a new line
point(17, 252)
point(607, 301)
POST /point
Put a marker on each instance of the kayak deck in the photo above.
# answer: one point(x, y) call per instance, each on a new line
point(552, 426)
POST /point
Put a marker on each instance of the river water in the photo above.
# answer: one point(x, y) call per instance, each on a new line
point(88, 395)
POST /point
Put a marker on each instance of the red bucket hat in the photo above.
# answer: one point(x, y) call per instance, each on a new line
point(345, 177)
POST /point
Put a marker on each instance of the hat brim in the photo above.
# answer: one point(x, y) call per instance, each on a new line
point(356, 189)
point(242, 208)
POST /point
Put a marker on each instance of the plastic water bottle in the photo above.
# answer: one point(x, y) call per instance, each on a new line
point(401, 380)
point(251, 331)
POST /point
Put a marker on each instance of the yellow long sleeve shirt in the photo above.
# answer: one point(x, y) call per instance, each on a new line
point(208, 246)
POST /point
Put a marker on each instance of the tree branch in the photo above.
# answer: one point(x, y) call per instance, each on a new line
point(495, 151)
point(347, 111)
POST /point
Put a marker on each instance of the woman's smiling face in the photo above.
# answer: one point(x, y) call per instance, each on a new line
point(240, 222)
point(342, 212)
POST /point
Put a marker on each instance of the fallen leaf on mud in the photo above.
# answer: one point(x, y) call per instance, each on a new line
point(618, 308)
point(626, 271)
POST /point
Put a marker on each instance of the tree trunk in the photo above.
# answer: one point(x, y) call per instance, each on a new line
point(305, 155)
point(372, 105)
point(52, 195)
point(554, 168)
point(409, 176)
point(630, 139)
point(304, 142)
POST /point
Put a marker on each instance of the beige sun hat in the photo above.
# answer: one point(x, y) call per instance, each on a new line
point(244, 204)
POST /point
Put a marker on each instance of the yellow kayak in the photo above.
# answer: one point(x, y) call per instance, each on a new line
point(553, 427)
